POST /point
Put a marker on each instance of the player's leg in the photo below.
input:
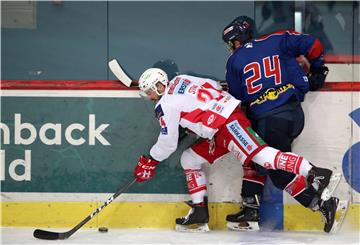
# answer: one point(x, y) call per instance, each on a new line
point(296, 186)
point(248, 217)
point(306, 195)
point(273, 159)
point(196, 184)
point(322, 179)
point(279, 131)
point(244, 143)
point(191, 161)
point(247, 145)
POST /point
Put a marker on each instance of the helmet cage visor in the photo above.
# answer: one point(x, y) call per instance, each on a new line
point(144, 91)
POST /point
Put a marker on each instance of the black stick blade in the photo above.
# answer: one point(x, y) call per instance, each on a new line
point(47, 235)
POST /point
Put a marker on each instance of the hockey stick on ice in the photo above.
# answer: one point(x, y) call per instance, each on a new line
point(120, 74)
point(49, 235)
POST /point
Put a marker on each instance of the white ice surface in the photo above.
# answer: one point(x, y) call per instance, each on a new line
point(159, 236)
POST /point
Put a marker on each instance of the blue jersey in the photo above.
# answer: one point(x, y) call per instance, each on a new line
point(264, 72)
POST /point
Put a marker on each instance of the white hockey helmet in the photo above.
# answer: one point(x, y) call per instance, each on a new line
point(150, 78)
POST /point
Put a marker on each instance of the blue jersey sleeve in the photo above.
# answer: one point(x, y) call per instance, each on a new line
point(233, 78)
point(295, 44)
point(297, 76)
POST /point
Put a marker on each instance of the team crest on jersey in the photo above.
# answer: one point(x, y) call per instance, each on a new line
point(159, 114)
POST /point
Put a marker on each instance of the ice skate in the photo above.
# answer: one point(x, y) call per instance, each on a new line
point(196, 220)
point(333, 212)
point(328, 210)
point(248, 217)
point(324, 181)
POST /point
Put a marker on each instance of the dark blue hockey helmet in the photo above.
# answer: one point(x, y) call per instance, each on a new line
point(240, 29)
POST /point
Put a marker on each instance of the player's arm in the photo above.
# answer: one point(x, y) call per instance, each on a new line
point(309, 46)
point(297, 44)
point(233, 78)
point(168, 138)
point(166, 143)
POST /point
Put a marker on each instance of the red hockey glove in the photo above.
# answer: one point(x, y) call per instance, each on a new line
point(145, 168)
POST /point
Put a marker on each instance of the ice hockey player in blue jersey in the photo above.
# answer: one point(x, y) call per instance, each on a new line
point(265, 75)
point(264, 72)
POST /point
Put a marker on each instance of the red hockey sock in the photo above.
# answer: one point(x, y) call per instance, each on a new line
point(196, 182)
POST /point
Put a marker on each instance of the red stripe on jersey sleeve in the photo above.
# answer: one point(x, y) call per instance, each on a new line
point(316, 50)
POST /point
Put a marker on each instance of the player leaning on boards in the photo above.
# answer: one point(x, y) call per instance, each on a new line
point(264, 74)
point(200, 105)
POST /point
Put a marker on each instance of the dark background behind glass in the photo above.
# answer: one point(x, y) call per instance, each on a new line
point(75, 40)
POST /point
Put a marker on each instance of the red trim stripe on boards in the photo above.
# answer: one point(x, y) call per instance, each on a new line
point(63, 85)
point(342, 59)
point(116, 85)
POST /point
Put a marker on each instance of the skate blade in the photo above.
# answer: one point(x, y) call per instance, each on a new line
point(333, 183)
point(243, 226)
point(192, 228)
point(341, 211)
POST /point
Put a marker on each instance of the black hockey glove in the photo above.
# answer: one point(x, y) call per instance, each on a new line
point(317, 77)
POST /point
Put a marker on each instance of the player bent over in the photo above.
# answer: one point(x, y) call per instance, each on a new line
point(265, 75)
point(200, 105)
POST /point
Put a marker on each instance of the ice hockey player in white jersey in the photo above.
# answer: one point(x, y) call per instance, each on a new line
point(201, 106)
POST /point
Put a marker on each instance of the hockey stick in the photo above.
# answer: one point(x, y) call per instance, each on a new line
point(120, 74)
point(49, 235)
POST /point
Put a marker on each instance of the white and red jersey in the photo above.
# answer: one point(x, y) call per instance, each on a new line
point(198, 104)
